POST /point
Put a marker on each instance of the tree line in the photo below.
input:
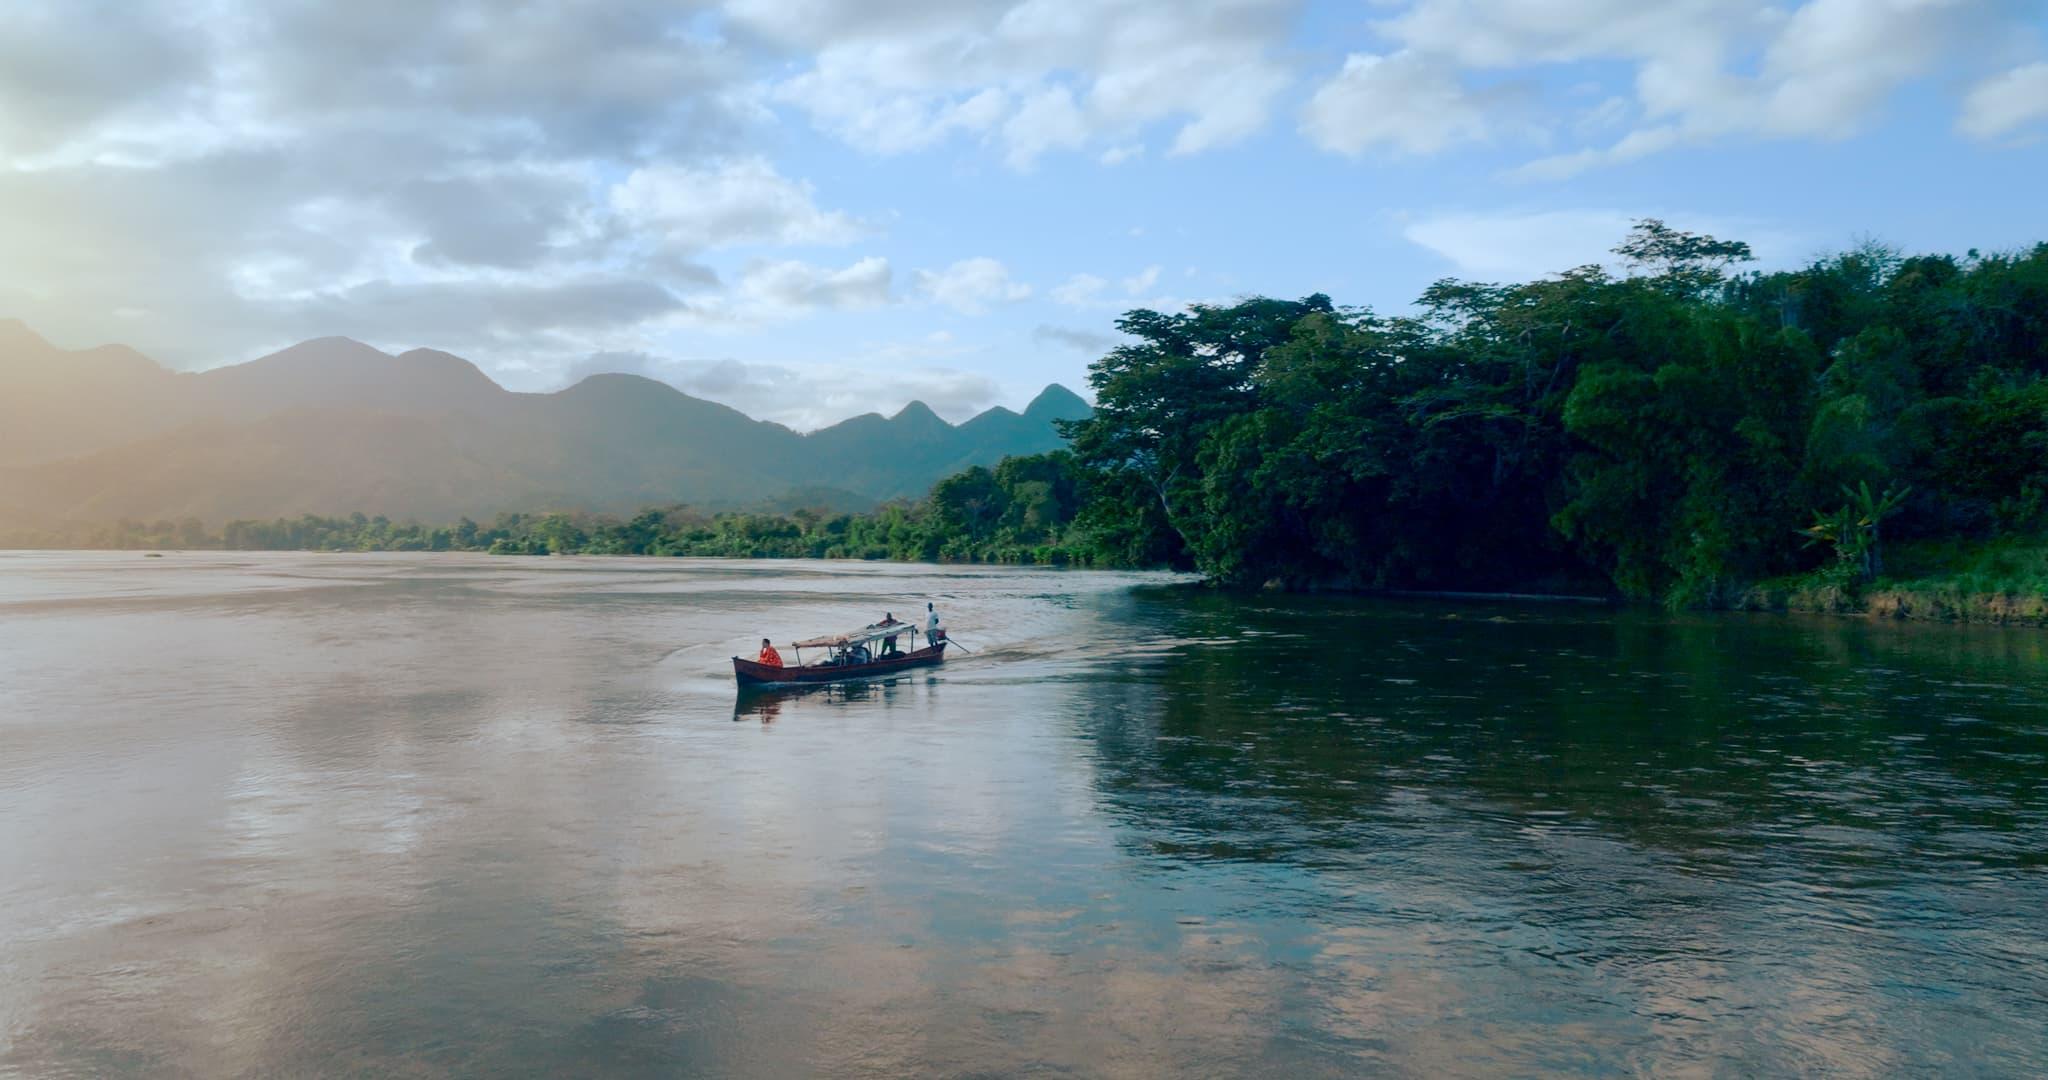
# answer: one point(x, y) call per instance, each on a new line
point(1021, 512)
point(1680, 430)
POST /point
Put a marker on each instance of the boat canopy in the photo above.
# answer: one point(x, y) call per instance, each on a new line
point(870, 632)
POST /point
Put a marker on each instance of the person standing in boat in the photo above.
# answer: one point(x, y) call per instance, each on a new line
point(889, 643)
point(933, 632)
point(768, 655)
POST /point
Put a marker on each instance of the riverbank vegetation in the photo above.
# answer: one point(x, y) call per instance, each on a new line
point(1023, 511)
point(2003, 580)
point(1679, 432)
point(1868, 432)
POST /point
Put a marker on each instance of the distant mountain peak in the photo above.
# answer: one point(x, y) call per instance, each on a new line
point(323, 350)
point(612, 382)
point(334, 425)
point(1057, 402)
point(336, 341)
point(447, 362)
point(917, 412)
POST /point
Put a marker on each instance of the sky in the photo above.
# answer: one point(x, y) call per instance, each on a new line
point(811, 209)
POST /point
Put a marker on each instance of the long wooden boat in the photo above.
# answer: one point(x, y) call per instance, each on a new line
point(838, 666)
point(750, 673)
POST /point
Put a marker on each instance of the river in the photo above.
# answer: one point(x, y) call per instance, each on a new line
point(296, 814)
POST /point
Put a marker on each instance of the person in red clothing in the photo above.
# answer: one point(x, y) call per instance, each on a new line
point(768, 655)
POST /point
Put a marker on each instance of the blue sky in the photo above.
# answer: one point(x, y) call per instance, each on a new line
point(813, 208)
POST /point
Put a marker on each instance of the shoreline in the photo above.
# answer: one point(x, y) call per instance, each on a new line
point(1901, 603)
point(1885, 601)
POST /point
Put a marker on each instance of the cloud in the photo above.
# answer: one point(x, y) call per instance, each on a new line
point(1515, 246)
point(528, 184)
point(1701, 70)
point(1047, 120)
point(547, 75)
point(1835, 61)
point(1081, 291)
point(2005, 103)
point(1508, 33)
point(789, 287)
point(1404, 103)
point(805, 396)
point(1035, 77)
point(1090, 292)
point(1635, 145)
point(61, 73)
point(266, 173)
point(971, 286)
point(507, 218)
point(734, 202)
point(1087, 341)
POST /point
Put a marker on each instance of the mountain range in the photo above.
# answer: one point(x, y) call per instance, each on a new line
point(333, 426)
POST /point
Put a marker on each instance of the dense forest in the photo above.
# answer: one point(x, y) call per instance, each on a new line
point(1682, 431)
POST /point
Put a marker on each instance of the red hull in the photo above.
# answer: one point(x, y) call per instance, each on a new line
point(750, 673)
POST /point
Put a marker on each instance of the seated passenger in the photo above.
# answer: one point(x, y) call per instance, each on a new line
point(860, 654)
point(768, 655)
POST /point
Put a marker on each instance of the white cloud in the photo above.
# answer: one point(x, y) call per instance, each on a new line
point(1034, 76)
point(1508, 33)
point(1405, 102)
point(512, 183)
point(1835, 61)
point(1048, 120)
point(1634, 145)
point(1611, 113)
point(1702, 70)
point(1091, 292)
point(735, 202)
point(789, 287)
point(1081, 291)
point(871, 377)
point(2005, 103)
point(971, 286)
point(524, 183)
point(807, 396)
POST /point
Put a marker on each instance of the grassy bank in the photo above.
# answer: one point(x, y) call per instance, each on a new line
point(2003, 581)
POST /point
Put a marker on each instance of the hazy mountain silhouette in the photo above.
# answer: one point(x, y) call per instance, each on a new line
point(332, 426)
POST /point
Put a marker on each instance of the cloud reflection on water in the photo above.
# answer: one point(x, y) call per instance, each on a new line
point(493, 816)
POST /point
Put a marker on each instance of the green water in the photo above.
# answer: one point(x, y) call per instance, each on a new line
point(305, 815)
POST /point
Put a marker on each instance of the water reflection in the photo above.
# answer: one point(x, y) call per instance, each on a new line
point(1652, 824)
point(298, 815)
point(766, 704)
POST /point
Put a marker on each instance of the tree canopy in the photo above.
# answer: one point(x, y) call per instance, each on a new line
point(1665, 431)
